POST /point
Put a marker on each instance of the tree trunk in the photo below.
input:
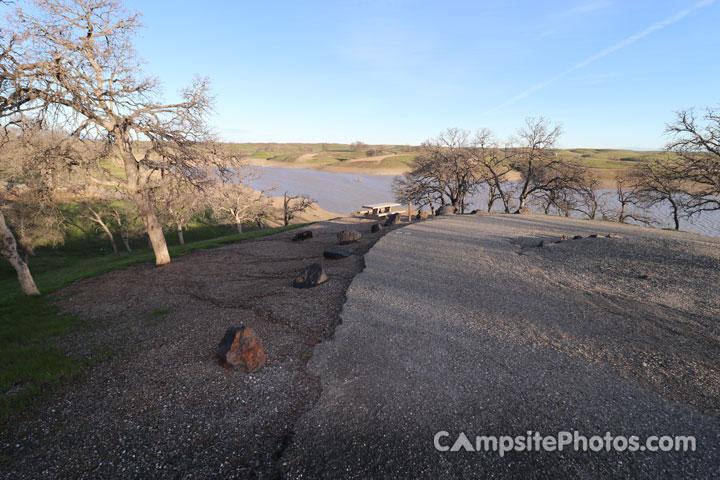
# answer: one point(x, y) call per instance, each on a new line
point(154, 230)
point(9, 250)
point(521, 204)
point(181, 238)
point(126, 242)
point(676, 217)
point(286, 208)
point(98, 219)
point(138, 190)
point(238, 224)
point(111, 237)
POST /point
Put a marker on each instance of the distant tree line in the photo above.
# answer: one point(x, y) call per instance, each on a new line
point(526, 170)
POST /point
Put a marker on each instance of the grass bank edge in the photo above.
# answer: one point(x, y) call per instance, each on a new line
point(33, 365)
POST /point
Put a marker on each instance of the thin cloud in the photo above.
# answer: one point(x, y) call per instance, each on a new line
point(582, 8)
point(604, 53)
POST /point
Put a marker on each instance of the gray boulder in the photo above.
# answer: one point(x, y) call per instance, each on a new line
point(376, 228)
point(422, 215)
point(446, 210)
point(312, 276)
point(348, 236)
point(336, 254)
point(392, 219)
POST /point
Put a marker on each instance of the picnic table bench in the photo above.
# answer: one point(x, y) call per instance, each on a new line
point(380, 209)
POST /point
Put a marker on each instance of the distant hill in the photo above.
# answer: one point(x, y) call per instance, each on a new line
point(395, 158)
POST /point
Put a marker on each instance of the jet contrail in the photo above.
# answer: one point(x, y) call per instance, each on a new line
point(630, 40)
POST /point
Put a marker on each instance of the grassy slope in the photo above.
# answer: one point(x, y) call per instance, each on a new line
point(32, 364)
point(403, 155)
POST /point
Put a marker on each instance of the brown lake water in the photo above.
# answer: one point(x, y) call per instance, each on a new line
point(345, 193)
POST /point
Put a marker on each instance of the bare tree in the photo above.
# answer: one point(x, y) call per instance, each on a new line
point(235, 198)
point(11, 102)
point(126, 222)
point(534, 158)
point(8, 248)
point(589, 201)
point(80, 64)
point(627, 197)
point(494, 167)
point(101, 218)
point(696, 142)
point(293, 205)
point(445, 171)
point(178, 204)
point(28, 190)
point(358, 146)
point(658, 182)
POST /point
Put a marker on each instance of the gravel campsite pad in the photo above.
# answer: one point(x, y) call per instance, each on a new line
point(162, 406)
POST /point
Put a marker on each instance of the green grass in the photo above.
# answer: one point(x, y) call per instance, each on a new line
point(608, 158)
point(32, 363)
point(398, 161)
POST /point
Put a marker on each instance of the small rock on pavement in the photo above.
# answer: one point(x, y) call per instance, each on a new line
point(477, 212)
point(336, 254)
point(304, 235)
point(446, 210)
point(613, 235)
point(422, 215)
point(392, 219)
point(241, 349)
point(312, 276)
point(577, 237)
point(348, 236)
point(376, 228)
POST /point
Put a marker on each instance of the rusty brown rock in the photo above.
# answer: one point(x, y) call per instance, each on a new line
point(241, 349)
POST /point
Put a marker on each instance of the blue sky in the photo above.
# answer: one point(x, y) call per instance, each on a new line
point(611, 71)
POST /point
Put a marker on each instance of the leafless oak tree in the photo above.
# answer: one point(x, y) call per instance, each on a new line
point(658, 182)
point(590, 202)
point(28, 190)
point(445, 172)
point(627, 197)
point(696, 141)
point(293, 205)
point(535, 159)
point(493, 168)
point(81, 66)
point(235, 198)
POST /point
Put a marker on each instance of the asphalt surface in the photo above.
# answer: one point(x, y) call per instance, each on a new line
point(464, 324)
